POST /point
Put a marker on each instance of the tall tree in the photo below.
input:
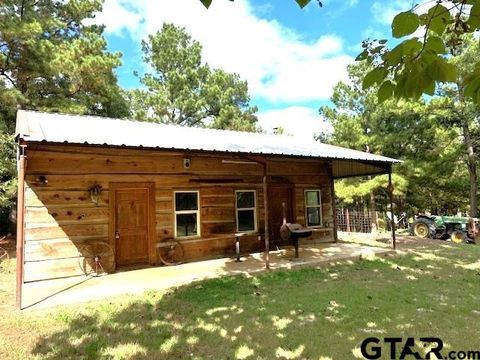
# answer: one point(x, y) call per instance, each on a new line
point(8, 170)
point(52, 59)
point(183, 90)
point(411, 131)
point(461, 112)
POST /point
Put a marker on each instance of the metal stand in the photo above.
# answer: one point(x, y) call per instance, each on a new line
point(237, 248)
point(295, 244)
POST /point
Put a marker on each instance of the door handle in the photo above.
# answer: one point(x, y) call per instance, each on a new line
point(117, 235)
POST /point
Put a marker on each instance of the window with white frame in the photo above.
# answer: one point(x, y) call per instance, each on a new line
point(246, 210)
point(313, 207)
point(187, 215)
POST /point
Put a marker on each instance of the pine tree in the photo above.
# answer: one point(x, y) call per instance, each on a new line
point(183, 90)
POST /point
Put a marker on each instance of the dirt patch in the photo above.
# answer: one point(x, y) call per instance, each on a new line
point(8, 242)
point(403, 242)
point(7, 275)
point(406, 242)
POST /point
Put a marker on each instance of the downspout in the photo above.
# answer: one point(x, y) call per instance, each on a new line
point(390, 193)
point(265, 212)
point(334, 208)
point(22, 147)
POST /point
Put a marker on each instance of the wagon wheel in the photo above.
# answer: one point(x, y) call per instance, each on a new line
point(3, 260)
point(458, 236)
point(97, 258)
point(285, 232)
point(170, 251)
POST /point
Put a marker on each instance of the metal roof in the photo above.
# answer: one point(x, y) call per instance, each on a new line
point(94, 130)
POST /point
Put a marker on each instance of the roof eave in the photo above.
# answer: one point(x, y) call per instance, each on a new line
point(385, 163)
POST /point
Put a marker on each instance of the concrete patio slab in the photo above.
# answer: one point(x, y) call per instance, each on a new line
point(50, 293)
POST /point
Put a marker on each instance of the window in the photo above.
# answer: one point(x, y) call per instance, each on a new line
point(313, 207)
point(245, 209)
point(187, 217)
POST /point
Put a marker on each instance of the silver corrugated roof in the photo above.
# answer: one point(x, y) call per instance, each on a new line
point(93, 130)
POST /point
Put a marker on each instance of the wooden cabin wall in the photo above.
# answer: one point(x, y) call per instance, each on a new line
point(60, 215)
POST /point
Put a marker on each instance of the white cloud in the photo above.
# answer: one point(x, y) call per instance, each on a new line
point(384, 11)
point(301, 122)
point(117, 17)
point(278, 63)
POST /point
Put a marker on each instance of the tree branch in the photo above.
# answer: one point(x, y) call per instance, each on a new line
point(22, 9)
point(4, 74)
point(427, 28)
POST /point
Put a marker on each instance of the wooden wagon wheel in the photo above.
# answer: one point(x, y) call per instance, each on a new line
point(285, 232)
point(97, 258)
point(170, 251)
point(3, 260)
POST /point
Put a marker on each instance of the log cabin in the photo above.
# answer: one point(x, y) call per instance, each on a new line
point(85, 179)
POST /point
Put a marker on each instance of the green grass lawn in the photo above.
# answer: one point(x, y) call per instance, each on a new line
point(310, 313)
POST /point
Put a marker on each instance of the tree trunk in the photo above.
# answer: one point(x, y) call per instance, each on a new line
point(472, 167)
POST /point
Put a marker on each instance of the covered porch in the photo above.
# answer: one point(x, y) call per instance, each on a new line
point(80, 289)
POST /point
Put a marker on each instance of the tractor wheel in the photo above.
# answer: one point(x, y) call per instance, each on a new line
point(458, 237)
point(421, 228)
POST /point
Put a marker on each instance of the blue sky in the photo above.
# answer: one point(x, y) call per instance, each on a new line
point(291, 57)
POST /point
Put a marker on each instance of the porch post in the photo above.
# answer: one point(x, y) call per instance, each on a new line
point(20, 221)
point(334, 207)
point(263, 162)
point(390, 193)
point(265, 212)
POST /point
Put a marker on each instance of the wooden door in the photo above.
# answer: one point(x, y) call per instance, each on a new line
point(278, 194)
point(131, 226)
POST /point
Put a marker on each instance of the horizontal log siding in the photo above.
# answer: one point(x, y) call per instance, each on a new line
point(61, 217)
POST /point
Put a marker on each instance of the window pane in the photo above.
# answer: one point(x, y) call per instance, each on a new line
point(313, 216)
point(313, 197)
point(246, 220)
point(186, 225)
point(186, 201)
point(245, 199)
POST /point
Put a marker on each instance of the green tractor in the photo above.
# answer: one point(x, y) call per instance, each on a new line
point(455, 228)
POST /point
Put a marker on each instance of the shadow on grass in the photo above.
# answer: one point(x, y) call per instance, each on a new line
point(311, 313)
point(206, 320)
